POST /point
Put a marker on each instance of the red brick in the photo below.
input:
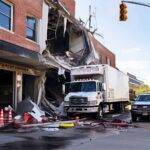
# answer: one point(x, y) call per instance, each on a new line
point(104, 52)
point(70, 6)
point(22, 8)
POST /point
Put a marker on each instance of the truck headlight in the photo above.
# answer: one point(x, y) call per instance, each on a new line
point(134, 106)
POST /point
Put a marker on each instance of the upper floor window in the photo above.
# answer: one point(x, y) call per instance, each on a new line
point(31, 28)
point(5, 15)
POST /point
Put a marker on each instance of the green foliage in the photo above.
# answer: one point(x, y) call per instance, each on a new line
point(142, 89)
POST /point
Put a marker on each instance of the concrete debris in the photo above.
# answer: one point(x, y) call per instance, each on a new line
point(50, 129)
point(61, 111)
point(124, 117)
point(29, 107)
point(61, 71)
point(25, 106)
point(8, 108)
point(65, 25)
point(49, 108)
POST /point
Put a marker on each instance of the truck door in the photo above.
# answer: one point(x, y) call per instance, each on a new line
point(99, 91)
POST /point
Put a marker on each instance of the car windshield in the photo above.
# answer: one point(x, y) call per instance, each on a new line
point(81, 87)
point(144, 98)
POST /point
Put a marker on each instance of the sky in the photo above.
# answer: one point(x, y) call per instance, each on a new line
point(129, 40)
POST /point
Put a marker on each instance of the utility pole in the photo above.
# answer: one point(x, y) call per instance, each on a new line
point(90, 18)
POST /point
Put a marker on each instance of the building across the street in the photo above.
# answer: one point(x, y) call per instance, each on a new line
point(133, 80)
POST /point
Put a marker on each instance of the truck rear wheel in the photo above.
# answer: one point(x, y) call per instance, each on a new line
point(118, 107)
point(100, 112)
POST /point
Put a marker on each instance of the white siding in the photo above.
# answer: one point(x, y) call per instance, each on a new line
point(42, 28)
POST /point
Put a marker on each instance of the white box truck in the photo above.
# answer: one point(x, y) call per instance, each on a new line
point(96, 89)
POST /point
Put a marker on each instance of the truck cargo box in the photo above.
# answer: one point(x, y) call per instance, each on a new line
point(117, 85)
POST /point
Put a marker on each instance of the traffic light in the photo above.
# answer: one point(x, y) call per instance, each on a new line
point(123, 12)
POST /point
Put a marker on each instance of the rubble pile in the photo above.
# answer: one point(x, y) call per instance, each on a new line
point(29, 116)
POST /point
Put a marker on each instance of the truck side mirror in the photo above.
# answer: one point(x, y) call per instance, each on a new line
point(63, 89)
point(104, 86)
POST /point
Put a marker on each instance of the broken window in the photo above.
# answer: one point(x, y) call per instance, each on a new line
point(65, 39)
point(58, 40)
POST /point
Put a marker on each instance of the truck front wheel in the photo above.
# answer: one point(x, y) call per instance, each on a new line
point(100, 112)
point(134, 117)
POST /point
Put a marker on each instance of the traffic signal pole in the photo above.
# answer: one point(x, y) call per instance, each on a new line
point(123, 12)
point(123, 8)
point(137, 3)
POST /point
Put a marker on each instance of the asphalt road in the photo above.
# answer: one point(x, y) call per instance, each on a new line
point(81, 138)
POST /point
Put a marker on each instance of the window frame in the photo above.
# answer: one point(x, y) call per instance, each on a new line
point(35, 30)
point(11, 15)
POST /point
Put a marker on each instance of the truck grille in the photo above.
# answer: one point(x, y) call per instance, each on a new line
point(78, 100)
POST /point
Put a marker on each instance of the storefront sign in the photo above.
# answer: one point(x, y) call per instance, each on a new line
point(24, 70)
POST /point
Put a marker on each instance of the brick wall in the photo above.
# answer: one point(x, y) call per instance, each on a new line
point(104, 52)
point(22, 8)
point(70, 6)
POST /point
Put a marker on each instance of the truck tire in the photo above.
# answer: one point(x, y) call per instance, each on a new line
point(100, 112)
point(118, 107)
point(134, 117)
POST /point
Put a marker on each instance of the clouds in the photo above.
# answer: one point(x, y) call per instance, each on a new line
point(130, 40)
point(132, 50)
point(140, 68)
point(135, 61)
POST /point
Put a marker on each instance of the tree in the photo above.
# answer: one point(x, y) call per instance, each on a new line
point(141, 89)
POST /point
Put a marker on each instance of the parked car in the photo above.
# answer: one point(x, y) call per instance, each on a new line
point(141, 106)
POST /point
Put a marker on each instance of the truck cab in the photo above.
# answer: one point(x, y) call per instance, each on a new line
point(96, 89)
point(83, 96)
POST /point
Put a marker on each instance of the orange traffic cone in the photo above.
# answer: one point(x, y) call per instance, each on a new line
point(10, 118)
point(1, 118)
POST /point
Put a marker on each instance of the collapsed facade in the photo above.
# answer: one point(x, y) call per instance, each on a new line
point(38, 48)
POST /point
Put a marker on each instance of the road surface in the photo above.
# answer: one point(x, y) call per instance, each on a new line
point(83, 138)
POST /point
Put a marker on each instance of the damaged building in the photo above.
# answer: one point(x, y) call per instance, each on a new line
point(69, 44)
point(39, 43)
point(20, 59)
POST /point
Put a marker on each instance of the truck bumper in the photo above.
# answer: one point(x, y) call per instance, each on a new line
point(81, 109)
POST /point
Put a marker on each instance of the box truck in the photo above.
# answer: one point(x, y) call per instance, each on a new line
point(96, 89)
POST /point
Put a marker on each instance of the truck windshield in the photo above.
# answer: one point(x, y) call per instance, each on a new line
point(81, 87)
point(144, 98)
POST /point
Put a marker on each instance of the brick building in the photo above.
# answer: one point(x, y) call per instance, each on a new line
point(19, 49)
point(69, 5)
point(27, 28)
point(106, 56)
point(23, 36)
